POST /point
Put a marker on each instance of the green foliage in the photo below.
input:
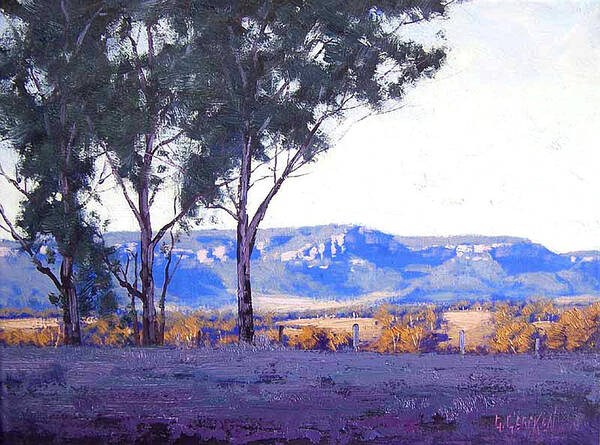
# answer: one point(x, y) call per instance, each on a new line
point(270, 71)
point(148, 99)
point(51, 64)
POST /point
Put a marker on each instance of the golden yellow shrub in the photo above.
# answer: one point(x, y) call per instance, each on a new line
point(108, 332)
point(31, 337)
point(183, 331)
point(383, 315)
point(401, 338)
point(513, 337)
point(311, 337)
point(271, 334)
point(227, 340)
point(504, 313)
point(575, 329)
point(538, 311)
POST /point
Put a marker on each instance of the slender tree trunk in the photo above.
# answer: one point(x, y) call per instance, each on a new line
point(69, 294)
point(147, 282)
point(136, 323)
point(161, 324)
point(245, 243)
point(163, 294)
point(147, 251)
point(245, 315)
point(136, 326)
point(72, 333)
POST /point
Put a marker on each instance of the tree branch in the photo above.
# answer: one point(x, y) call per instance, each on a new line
point(238, 60)
point(83, 33)
point(184, 211)
point(167, 141)
point(126, 285)
point(168, 273)
point(138, 65)
point(121, 184)
point(222, 207)
point(13, 182)
point(289, 168)
point(123, 281)
point(25, 246)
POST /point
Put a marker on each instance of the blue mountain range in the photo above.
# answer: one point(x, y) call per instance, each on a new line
point(341, 263)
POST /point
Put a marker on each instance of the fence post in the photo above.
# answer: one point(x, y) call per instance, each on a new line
point(355, 337)
point(280, 327)
point(461, 342)
point(537, 347)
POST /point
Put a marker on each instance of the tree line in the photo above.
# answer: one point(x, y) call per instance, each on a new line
point(515, 326)
point(403, 329)
point(188, 102)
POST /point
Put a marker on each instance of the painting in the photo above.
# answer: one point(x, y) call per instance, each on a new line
point(299, 222)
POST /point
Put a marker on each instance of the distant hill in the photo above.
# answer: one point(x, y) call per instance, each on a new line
point(343, 263)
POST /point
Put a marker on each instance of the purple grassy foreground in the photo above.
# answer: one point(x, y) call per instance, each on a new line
point(92, 396)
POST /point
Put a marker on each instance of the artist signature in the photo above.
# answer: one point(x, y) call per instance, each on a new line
point(536, 423)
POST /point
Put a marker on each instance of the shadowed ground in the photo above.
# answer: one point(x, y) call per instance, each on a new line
point(89, 396)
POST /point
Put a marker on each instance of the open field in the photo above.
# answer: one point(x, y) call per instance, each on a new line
point(579, 299)
point(291, 303)
point(36, 322)
point(478, 326)
point(29, 323)
point(236, 395)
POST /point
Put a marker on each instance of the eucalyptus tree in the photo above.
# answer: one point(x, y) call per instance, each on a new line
point(143, 124)
point(277, 72)
point(51, 64)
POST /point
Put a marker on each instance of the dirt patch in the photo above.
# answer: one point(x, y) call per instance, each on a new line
point(478, 327)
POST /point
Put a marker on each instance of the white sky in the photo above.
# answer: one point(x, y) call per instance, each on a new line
point(501, 142)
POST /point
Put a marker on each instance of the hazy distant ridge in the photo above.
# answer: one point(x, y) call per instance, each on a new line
point(345, 262)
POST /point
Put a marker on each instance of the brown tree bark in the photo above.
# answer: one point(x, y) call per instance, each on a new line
point(72, 333)
point(245, 244)
point(163, 295)
point(244, 292)
point(147, 245)
point(136, 326)
point(147, 283)
point(248, 228)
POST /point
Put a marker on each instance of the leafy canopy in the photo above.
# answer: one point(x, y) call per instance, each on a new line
point(272, 70)
point(51, 65)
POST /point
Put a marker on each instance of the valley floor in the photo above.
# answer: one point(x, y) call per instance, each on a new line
point(237, 395)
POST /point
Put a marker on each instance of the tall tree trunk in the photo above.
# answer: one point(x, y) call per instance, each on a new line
point(161, 326)
point(245, 243)
point(69, 293)
point(161, 305)
point(136, 326)
point(245, 315)
point(72, 333)
point(147, 281)
point(149, 324)
point(168, 276)
point(163, 295)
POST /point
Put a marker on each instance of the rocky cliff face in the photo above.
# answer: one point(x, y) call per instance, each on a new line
point(344, 262)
